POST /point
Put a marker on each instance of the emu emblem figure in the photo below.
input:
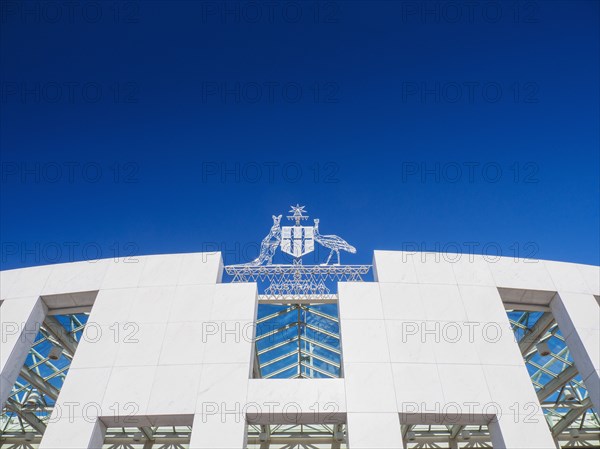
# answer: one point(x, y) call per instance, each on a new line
point(269, 244)
point(332, 242)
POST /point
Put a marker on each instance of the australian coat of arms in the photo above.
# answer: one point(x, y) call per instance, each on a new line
point(298, 240)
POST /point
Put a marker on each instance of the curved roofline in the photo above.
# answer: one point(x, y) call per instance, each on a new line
point(476, 256)
point(388, 266)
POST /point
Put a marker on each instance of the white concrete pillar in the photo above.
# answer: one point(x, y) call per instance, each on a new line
point(219, 431)
point(374, 431)
point(20, 321)
point(518, 432)
point(452, 350)
point(219, 420)
point(373, 419)
point(77, 433)
point(578, 318)
point(228, 338)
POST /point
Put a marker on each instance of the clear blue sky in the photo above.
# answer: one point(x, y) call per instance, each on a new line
point(164, 127)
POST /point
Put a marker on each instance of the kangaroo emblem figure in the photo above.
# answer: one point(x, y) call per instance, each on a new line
point(269, 244)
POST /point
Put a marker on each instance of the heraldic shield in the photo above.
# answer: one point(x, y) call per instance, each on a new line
point(297, 240)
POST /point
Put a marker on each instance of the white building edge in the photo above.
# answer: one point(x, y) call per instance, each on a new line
point(420, 352)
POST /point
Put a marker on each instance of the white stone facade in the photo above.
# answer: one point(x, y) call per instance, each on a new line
point(428, 342)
